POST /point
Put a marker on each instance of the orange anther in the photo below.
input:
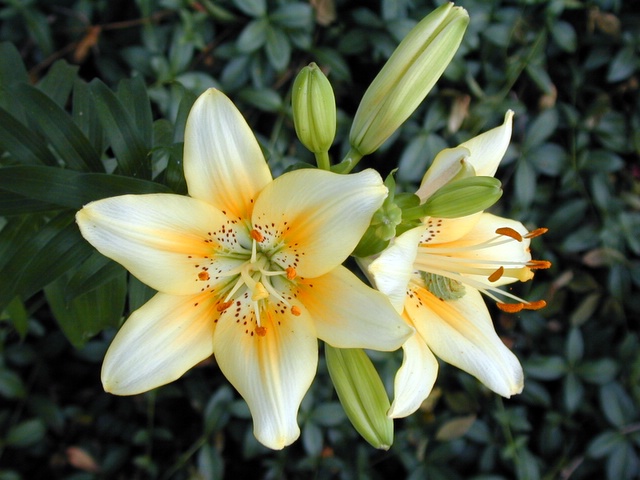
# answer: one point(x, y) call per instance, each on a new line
point(221, 307)
point(537, 232)
point(295, 311)
point(261, 331)
point(509, 232)
point(256, 235)
point(537, 305)
point(203, 276)
point(539, 264)
point(291, 273)
point(496, 275)
point(510, 307)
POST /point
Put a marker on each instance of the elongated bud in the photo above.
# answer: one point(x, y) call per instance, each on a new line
point(314, 109)
point(407, 77)
point(459, 198)
point(361, 394)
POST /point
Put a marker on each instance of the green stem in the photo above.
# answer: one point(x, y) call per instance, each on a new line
point(322, 160)
point(349, 161)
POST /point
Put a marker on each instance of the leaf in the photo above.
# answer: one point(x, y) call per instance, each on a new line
point(12, 69)
point(545, 368)
point(133, 95)
point(18, 316)
point(564, 35)
point(264, 99)
point(120, 129)
point(297, 15)
point(278, 48)
point(25, 434)
point(23, 145)
point(14, 204)
point(455, 428)
point(623, 65)
point(58, 82)
point(573, 392)
point(616, 404)
point(90, 313)
point(254, 8)
point(540, 129)
point(575, 346)
point(11, 385)
point(70, 189)
point(253, 36)
point(85, 115)
point(216, 414)
point(604, 443)
point(94, 272)
point(58, 127)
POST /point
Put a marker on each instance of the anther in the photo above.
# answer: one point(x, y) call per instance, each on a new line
point(509, 232)
point(261, 331)
point(203, 276)
point(256, 235)
point(496, 275)
point(539, 264)
point(516, 307)
point(295, 311)
point(224, 305)
point(291, 273)
point(537, 232)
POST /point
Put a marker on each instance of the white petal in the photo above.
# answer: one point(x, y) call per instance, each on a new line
point(444, 168)
point(461, 333)
point(444, 230)
point(487, 149)
point(392, 270)
point(415, 378)
point(316, 218)
point(272, 372)
point(223, 163)
point(348, 314)
point(159, 342)
point(159, 238)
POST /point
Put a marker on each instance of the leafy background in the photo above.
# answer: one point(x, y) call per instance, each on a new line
point(93, 101)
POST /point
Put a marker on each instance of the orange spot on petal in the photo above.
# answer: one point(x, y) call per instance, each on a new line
point(509, 232)
point(291, 273)
point(221, 307)
point(203, 276)
point(261, 331)
point(295, 310)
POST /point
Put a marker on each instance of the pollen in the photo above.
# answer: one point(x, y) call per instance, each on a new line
point(291, 273)
point(539, 264)
point(224, 305)
point(537, 232)
point(495, 276)
point(509, 232)
point(295, 311)
point(259, 292)
point(261, 331)
point(256, 235)
point(204, 276)
point(517, 307)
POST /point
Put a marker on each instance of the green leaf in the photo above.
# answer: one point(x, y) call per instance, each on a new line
point(540, 129)
point(599, 372)
point(604, 443)
point(548, 159)
point(253, 36)
point(18, 316)
point(254, 8)
point(25, 434)
point(12, 69)
point(88, 314)
point(564, 35)
point(545, 368)
point(85, 115)
point(278, 48)
point(58, 127)
point(573, 392)
point(624, 63)
point(616, 404)
point(58, 82)
point(264, 99)
point(525, 183)
point(94, 272)
point(132, 93)
point(11, 385)
point(623, 463)
point(294, 16)
point(23, 145)
point(67, 188)
point(216, 413)
point(14, 204)
point(121, 131)
point(575, 346)
point(42, 258)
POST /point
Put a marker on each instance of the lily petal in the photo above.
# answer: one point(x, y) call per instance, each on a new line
point(271, 369)
point(223, 163)
point(158, 343)
point(415, 378)
point(444, 230)
point(159, 238)
point(302, 207)
point(461, 333)
point(348, 314)
point(392, 270)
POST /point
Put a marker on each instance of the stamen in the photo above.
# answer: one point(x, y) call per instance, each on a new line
point(295, 310)
point(495, 276)
point(539, 264)
point(509, 232)
point(516, 307)
point(537, 232)
point(261, 331)
point(224, 305)
point(203, 276)
point(291, 273)
point(256, 235)
point(259, 292)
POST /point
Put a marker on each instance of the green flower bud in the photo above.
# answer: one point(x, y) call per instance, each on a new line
point(460, 198)
point(361, 394)
point(314, 109)
point(407, 77)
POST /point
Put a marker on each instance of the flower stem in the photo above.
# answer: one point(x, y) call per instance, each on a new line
point(322, 160)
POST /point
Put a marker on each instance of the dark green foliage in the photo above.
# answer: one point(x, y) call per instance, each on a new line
point(93, 101)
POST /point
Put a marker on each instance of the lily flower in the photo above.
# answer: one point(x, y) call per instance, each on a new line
point(247, 268)
point(434, 275)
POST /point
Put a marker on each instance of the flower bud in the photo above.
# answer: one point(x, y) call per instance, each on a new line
point(463, 197)
point(361, 394)
point(407, 77)
point(314, 109)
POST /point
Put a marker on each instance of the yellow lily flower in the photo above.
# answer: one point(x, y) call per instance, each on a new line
point(435, 273)
point(247, 268)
